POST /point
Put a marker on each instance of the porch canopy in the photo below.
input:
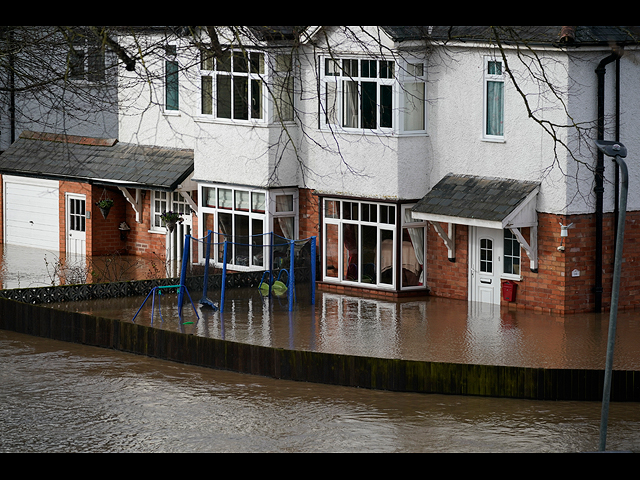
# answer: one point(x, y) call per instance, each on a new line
point(482, 202)
point(99, 161)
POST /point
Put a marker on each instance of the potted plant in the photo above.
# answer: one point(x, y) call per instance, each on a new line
point(105, 205)
point(170, 219)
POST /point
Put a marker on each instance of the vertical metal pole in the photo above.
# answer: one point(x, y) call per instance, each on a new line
point(224, 275)
point(292, 291)
point(183, 273)
point(313, 270)
point(205, 286)
point(624, 177)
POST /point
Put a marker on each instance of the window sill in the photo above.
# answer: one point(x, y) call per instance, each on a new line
point(494, 139)
point(513, 278)
point(171, 113)
point(226, 121)
point(373, 133)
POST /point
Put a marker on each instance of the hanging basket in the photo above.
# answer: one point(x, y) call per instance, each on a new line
point(105, 211)
point(170, 226)
point(104, 204)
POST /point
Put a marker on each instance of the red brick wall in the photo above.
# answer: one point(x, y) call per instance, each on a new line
point(309, 214)
point(553, 289)
point(103, 235)
point(445, 278)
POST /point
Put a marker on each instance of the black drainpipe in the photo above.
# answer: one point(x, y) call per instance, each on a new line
point(599, 176)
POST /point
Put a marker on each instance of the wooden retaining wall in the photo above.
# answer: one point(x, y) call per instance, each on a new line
point(332, 369)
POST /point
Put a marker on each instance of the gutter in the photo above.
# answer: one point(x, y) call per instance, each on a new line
point(601, 70)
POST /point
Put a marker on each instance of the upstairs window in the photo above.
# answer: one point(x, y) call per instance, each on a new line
point(359, 93)
point(172, 102)
point(494, 99)
point(283, 88)
point(232, 86)
point(87, 60)
point(367, 94)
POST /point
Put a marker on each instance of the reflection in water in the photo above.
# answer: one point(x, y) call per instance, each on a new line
point(26, 267)
point(59, 397)
point(432, 329)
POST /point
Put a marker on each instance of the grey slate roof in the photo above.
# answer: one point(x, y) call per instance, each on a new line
point(98, 161)
point(480, 198)
point(529, 34)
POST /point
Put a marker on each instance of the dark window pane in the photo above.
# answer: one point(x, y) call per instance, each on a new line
point(207, 96)
point(224, 96)
point(256, 98)
point(369, 105)
point(240, 98)
point(386, 106)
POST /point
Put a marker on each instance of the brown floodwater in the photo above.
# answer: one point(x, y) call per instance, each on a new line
point(61, 397)
point(431, 329)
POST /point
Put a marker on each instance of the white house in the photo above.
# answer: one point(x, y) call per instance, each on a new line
point(427, 160)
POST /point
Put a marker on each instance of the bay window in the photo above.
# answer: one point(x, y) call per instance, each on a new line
point(234, 87)
point(243, 217)
point(237, 80)
point(369, 94)
point(360, 241)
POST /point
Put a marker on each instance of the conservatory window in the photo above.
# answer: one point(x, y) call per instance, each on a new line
point(359, 242)
point(242, 217)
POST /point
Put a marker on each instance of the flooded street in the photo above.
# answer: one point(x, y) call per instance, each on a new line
point(433, 329)
point(59, 397)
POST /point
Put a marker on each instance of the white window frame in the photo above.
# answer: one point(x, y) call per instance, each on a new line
point(489, 78)
point(414, 73)
point(334, 74)
point(339, 79)
point(380, 226)
point(209, 69)
point(511, 275)
point(160, 202)
point(282, 83)
point(409, 222)
point(85, 49)
point(265, 212)
point(171, 57)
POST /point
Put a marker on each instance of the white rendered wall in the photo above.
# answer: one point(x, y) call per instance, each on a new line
point(407, 167)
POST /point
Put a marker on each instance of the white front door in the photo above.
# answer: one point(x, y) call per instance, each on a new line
point(76, 224)
point(485, 264)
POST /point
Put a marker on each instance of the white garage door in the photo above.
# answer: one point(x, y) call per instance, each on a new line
point(31, 213)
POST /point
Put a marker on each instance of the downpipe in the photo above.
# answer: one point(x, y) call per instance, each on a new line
point(599, 174)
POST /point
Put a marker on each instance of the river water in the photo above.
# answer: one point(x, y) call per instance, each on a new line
point(59, 397)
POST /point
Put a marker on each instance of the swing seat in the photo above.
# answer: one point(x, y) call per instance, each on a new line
point(208, 303)
point(278, 288)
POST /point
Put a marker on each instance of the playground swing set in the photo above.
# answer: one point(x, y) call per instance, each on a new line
point(271, 284)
